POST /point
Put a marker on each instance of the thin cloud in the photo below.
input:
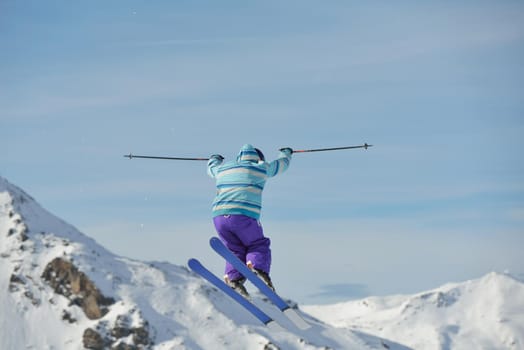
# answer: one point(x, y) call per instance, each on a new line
point(196, 41)
point(127, 187)
point(341, 291)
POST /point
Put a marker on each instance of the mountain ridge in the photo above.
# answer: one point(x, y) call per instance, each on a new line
point(483, 313)
point(60, 289)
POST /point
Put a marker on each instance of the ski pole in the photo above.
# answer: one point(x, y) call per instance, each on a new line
point(365, 146)
point(131, 156)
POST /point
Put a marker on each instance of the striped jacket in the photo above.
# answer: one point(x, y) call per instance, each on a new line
point(240, 183)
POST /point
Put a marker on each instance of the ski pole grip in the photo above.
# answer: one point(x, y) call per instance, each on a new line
point(286, 149)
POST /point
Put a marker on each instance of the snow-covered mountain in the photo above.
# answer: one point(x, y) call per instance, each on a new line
point(486, 313)
point(59, 289)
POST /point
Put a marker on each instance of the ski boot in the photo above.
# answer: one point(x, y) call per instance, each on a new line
point(237, 285)
point(262, 275)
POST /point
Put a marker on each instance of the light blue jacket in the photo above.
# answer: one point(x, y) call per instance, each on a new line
point(240, 182)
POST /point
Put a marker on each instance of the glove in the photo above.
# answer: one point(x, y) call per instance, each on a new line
point(217, 156)
point(286, 150)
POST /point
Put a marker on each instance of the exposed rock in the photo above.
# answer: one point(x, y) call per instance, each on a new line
point(23, 236)
point(15, 283)
point(271, 346)
point(66, 316)
point(141, 335)
point(124, 346)
point(122, 329)
point(120, 332)
point(67, 280)
point(93, 340)
point(29, 295)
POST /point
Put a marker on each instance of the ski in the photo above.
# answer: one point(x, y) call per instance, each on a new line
point(197, 267)
point(241, 267)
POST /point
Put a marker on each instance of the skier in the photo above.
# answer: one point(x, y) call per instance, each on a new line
point(237, 207)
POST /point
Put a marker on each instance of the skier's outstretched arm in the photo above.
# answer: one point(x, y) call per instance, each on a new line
point(213, 163)
point(279, 165)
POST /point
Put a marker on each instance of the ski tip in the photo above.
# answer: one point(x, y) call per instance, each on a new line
point(193, 262)
point(296, 319)
point(214, 240)
point(274, 326)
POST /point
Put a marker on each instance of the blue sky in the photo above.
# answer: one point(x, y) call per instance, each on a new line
point(437, 88)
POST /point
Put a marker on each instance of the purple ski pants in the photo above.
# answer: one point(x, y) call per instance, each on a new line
point(244, 236)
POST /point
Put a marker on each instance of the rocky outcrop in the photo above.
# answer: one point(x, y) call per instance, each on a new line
point(121, 336)
point(24, 244)
point(67, 280)
point(123, 329)
point(93, 340)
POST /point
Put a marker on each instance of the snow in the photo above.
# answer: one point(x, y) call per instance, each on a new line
point(182, 311)
point(486, 313)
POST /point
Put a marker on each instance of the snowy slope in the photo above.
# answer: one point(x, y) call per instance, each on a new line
point(487, 313)
point(59, 289)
